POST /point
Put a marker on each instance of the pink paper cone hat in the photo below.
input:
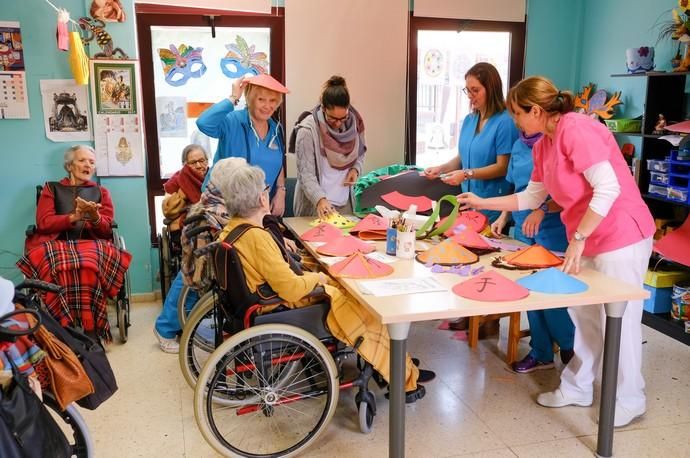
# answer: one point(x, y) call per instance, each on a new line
point(359, 266)
point(490, 287)
point(372, 227)
point(324, 232)
point(345, 246)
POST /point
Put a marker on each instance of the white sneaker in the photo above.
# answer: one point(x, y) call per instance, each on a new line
point(166, 345)
point(556, 398)
point(624, 416)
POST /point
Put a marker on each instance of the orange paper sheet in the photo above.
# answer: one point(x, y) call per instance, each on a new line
point(675, 245)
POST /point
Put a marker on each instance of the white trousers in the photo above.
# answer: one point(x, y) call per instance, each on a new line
point(628, 264)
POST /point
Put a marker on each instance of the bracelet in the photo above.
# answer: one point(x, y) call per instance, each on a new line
point(281, 187)
point(233, 99)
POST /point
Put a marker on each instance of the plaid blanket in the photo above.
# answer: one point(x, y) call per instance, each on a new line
point(23, 352)
point(90, 271)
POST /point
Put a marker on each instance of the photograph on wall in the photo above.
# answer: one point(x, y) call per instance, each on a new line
point(172, 116)
point(11, 48)
point(14, 100)
point(115, 87)
point(107, 11)
point(65, 111)
point(125, 156)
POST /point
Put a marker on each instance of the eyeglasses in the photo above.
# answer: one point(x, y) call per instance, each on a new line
point(473, 90)
point(268, 186)
point(330, 118)
point(202, 161)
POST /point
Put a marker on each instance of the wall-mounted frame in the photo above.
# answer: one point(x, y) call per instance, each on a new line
point(115, 86)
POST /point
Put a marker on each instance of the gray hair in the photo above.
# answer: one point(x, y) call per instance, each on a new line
point(71, 151)
point(242, 190)
point(222, 170)
point(188, 150)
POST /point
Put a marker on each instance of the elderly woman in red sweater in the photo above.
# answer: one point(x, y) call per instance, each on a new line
point(184, 187)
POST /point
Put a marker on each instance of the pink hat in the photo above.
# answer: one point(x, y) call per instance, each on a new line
point(266, 81)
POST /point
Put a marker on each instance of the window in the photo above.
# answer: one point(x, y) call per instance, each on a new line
point(189, 62)
point(441, 52)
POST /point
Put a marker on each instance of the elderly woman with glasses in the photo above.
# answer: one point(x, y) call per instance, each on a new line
point(264, 265)
point(251, 133)
point(330, 149)
point(486, 139)
point(184, 187)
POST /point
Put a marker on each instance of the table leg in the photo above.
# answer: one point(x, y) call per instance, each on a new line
point(609, 378)
point(396, 437)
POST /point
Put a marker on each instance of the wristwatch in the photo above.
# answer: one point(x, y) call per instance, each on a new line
point(233, 99)
point(544, 207)
point(469, 173)
point(579, 237)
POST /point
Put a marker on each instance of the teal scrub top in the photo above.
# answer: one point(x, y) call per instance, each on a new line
point(551, 231)
point(481, 149)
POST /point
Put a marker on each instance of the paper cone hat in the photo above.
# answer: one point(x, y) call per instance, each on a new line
point(447, 253)
point(535, 256)
point(266, 81)
point(469, 218)
point(490, 287)
point(553, 281)
point(403, 202)
point(359, 266)
point(372, 227)
point(336, 219)
point(345, 246)
point(470, 239)
point(324, 232)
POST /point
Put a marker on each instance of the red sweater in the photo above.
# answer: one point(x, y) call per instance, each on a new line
point(50, 225)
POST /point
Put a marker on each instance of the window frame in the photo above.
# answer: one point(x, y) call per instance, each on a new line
point(164, 15)
point(517, 32)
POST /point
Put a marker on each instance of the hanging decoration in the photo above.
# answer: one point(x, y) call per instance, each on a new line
point(181, 64)
point(242, 59)
point(595, 105)
point(78, 60)
point(61, 34)
point(107, 10)
point(95, 28)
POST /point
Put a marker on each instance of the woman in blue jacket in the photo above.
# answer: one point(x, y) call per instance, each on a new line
point(542, 226)
point(251, 133)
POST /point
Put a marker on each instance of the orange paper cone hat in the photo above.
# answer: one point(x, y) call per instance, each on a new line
point(469, 218)
point(345, 246)
point(447, 253)
point(372, 227)
point(470, 239)
point(490, 287)
point(359, 266)
point(324, 232)
point(535, 257)
point(403, 202)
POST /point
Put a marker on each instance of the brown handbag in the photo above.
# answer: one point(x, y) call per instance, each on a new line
point(68, 379)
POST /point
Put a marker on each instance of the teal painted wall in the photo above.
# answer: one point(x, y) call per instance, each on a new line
point(29, 158)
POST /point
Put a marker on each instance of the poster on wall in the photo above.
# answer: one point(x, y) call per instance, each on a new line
point(14, 100)
point(65, 111)
point(116, 122)
point(11, 48)
point(172, 116)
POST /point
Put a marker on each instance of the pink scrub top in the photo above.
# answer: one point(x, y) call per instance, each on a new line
point(559, 163)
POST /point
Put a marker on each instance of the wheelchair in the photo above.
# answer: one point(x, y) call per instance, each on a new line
point(169, 255)
point(121, 302)
point(268, 375)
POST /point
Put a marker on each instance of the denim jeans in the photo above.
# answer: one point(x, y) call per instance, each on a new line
point(167, 323)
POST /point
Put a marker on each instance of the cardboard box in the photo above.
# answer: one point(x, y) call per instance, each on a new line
point(659, 301)
point(665, 279)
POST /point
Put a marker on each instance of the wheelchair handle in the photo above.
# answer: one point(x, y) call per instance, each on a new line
point(193, 219)
point(40, 285)
point(197, 230)
point(7, 334)
point(204, 250)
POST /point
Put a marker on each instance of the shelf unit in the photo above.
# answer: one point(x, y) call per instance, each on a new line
point(664, 93)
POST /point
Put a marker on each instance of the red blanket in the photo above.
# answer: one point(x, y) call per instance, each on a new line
point(90, 271)
point(186, 180)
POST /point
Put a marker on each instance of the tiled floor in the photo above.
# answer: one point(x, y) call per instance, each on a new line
point(475, 407)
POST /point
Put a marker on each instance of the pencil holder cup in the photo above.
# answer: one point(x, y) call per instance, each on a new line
point(391, 238)
point(405, 245)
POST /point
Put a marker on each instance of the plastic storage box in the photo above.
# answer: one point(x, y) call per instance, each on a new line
point(658, 190)
point(660, 285)
point(659, 178)
point(624, 125)
point(657, 166)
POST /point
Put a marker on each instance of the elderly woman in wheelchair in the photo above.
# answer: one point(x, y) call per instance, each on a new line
point(264, 264)
point(73, 245)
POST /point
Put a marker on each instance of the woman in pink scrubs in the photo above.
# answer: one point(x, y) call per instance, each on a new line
point(579, 164)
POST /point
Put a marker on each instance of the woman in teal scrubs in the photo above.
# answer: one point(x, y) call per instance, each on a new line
point(486, 139)
point(542, 226)
point(251, 133)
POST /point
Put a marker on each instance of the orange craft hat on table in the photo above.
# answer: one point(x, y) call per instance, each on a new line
point(534, 257)
point(490, 287)
point(447, 253)
point(359, 266)
point(266, 81)
point(324, 232)
point(470, 239)
point(469, 218)
point(403, 202)
point(372, 227)
point(345, 246)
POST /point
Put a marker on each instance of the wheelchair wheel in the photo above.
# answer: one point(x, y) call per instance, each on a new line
point(366, 417)
point(165, 259)
point(264, 412)
point(72, 425)
point(198, 338)
point(181, 302)
point(122, 301)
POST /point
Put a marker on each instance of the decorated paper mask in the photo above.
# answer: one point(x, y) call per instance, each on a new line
point(180, 64)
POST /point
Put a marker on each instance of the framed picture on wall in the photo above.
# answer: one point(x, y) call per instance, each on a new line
point(114, 86)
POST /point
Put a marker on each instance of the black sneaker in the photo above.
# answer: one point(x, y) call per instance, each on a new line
point(412, 396)
point(425, 376)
